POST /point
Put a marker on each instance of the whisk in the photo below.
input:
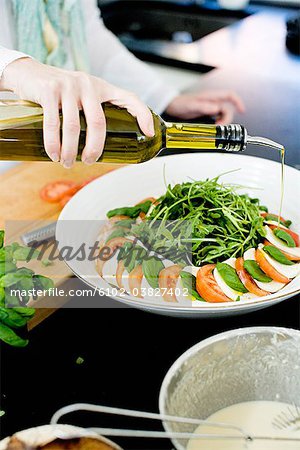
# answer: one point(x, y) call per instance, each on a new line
point(288, 419)
point(242, 434)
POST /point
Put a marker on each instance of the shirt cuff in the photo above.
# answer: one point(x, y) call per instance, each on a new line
point(8, 56)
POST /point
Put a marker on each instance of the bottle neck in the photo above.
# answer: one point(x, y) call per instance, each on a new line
point(205, 136)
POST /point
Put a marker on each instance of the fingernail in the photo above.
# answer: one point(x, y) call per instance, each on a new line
point(67, 163)
point(89, 161)
point(54, 157)
point(151, 130)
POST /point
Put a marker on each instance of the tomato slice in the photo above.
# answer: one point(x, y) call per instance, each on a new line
point(294, 236)
point(268, 268)
point(151, 199)
point(118, 218)
point(247, 280)
point(290, 257)
point(167, 281)
point(111, 246)
point(55, 191)
point(207, 286)
point(135, 281)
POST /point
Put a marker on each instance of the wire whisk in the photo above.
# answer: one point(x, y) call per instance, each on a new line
point(237, 432)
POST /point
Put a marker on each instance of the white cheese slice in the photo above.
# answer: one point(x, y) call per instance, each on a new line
point(273, 286)
point(227, 290)
point(289, 271)
point(270, 236)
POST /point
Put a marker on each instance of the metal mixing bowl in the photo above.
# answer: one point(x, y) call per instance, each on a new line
point(259, 363)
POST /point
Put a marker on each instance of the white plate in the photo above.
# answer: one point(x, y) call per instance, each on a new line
point(131, 184)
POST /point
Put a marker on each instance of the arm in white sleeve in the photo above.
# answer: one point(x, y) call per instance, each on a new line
point(110, 60)
point(7, 56)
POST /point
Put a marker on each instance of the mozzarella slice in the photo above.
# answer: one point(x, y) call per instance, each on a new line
point(273, 222)
point(109, 270)
point(288, 271)
point(270, 236)
point(182, 296)
point(227, 290)
point(273, 286)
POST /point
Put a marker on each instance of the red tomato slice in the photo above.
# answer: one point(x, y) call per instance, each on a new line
point(111, 246)
point(268, 268)
point(207, 286)
point(135, 281)
point(293, 235)
point(167, 281)
point(247, 280)
point(55, 191)
point(290, 257)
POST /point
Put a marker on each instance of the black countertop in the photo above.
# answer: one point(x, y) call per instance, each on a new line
point(127, 352)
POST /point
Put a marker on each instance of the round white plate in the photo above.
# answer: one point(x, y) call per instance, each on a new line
point(131, 184)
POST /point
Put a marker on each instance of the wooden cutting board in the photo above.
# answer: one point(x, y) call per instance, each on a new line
point(22, 209)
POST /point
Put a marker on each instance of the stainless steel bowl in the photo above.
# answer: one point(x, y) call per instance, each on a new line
point(261, 363)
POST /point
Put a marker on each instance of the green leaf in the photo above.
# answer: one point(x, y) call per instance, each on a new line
point(130, 211)
point(255, 271)
point(189, 283)
point(42, 283)
point(118, 232)
point(25, 254)
point(151, 268)
point(231, 277)
point(276, 254)
point(12, 318)
point(25, 311)
point(285, 237)
point(6, 267)
point(8, 336)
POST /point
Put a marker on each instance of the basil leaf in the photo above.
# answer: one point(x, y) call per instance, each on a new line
point(151, 268)
point(42, 283)
point(285, 237)
point(134, 257)
point(255, 271)
point(6, 267)
point(118, 232)
point(25, 254)
point(276, 254)
point(189, 283)
point(130, 211)
point(274, 218)
point(8, 336)
point(263, 208)
point(25, 311)
point(12, 318)
point(231, 277)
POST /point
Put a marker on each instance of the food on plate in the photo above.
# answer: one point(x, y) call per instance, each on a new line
point(200, 241)
point(83, 443)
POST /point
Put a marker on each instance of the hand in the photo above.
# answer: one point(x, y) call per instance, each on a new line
point(56, 89)
point(220, 103)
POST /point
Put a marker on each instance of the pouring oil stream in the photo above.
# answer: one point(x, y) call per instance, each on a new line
point(271, 144)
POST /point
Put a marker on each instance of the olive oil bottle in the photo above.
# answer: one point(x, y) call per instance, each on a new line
point(21, 135)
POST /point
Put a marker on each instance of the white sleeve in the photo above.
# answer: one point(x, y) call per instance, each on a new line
point(7, 56)
point(110, 60)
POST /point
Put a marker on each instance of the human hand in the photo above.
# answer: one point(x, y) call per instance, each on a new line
point(220, 103)
point(56, 89)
